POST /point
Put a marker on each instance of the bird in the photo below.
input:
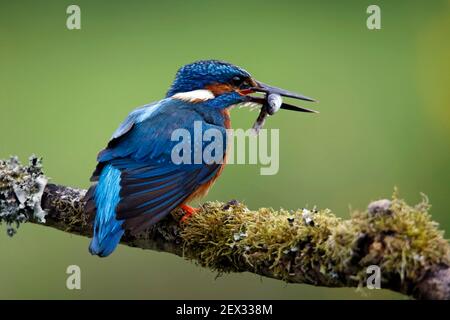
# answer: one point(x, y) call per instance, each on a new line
point(136, 182)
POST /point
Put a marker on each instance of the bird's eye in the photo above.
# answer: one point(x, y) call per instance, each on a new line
point(237, 81)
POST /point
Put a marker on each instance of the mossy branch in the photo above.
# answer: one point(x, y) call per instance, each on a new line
point(304, 246)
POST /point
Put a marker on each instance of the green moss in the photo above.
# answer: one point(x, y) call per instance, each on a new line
point(403, 242)
point(307, 246)
point(225, 239)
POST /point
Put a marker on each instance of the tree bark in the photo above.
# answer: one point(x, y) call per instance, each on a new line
point(305, 246)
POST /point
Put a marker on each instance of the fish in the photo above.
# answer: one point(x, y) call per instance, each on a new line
point(272, 103)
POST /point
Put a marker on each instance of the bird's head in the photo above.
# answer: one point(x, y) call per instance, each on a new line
point(220, 84)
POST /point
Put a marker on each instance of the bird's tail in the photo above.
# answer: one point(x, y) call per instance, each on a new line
point(107, 230)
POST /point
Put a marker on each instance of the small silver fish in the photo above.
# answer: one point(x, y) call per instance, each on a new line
point(272, 104)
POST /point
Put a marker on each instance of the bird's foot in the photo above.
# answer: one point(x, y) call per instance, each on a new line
point(188, 212)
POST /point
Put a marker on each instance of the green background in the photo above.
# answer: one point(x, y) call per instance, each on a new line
point(384, 120)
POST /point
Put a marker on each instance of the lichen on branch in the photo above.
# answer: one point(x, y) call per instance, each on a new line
point(21, 190)
point(299, 246)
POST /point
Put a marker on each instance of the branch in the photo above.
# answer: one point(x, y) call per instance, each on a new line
point(304, 246)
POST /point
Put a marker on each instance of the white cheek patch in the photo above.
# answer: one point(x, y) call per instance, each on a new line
point(194, 96)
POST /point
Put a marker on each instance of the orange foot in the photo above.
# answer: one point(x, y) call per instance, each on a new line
point(189, 211)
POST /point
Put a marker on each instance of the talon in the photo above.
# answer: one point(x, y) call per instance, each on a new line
point(189, 211)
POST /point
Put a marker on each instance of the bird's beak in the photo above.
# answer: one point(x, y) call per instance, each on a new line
point(265, 88)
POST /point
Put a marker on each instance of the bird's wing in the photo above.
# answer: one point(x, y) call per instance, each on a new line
point(125, 140)
point(151, 184)
point(149, 192)
point(138, 115)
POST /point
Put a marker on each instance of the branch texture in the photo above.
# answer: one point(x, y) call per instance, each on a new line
point(303, 246)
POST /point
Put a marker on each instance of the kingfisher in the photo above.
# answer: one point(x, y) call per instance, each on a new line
point(136, 182)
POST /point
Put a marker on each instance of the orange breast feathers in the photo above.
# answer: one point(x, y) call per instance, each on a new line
point(203, 189)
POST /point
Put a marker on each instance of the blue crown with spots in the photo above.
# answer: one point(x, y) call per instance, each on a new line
point(199, 74)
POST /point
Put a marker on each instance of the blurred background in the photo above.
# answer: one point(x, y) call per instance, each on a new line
point(384, 120)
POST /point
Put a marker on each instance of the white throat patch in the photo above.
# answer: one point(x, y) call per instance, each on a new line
point(194, 96)
point(248, 104)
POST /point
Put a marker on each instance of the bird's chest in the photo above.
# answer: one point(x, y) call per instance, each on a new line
point(226, 118)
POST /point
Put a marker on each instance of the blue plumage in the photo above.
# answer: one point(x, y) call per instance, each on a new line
point(200, 74)
point(136, 182)
point(107, 229)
